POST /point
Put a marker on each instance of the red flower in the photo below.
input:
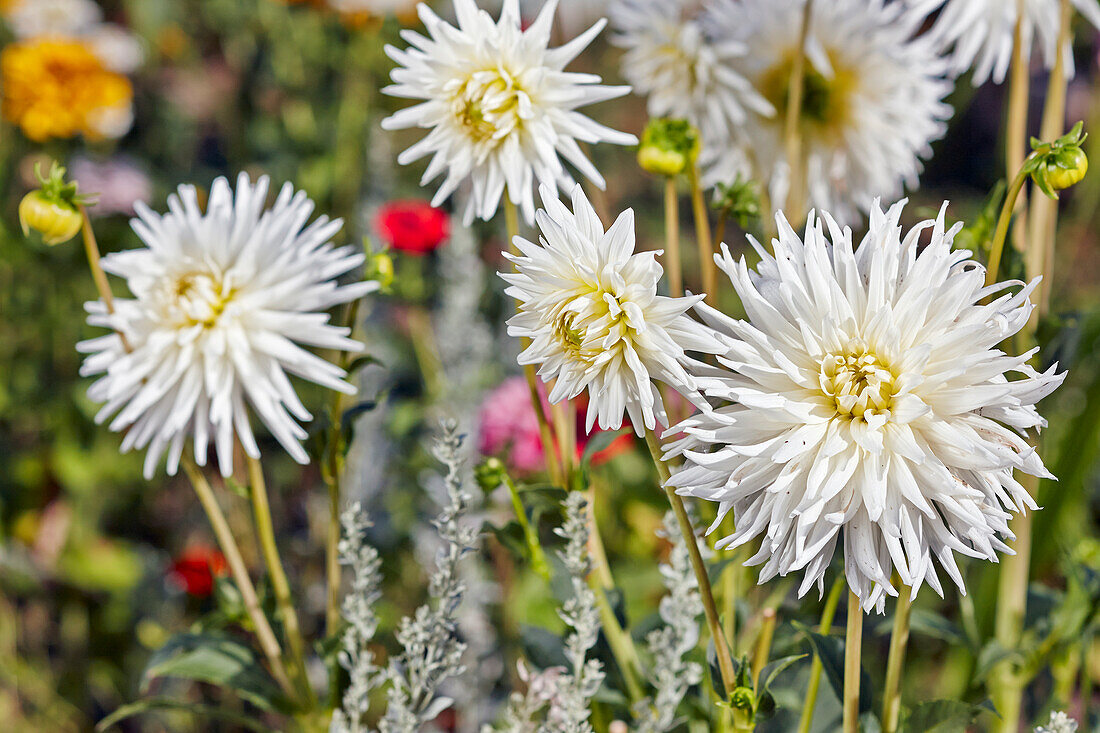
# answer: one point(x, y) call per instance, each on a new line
point(195, 569)
point(413, 226)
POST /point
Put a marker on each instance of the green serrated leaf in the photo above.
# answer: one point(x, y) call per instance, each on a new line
point(201, 712)
point(941, 716)
point(830, 650)
point(215, 659)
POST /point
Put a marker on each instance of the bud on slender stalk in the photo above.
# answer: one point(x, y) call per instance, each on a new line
point(1057, 165)
point(53, 209)
point(669, 147)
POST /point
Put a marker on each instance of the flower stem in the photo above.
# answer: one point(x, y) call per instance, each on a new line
point(331, 472)
point(565, 428)
point(1007, 684)
point(1016, 125)
point(1043, 217)
point(102, 285)
point(725, 661)
point(622, 646)
point(764, 642)
point(546, 435)
point(284, 606)
point(702, 237)
point(1000, 233)
point(792, 138)
point(673, 263)
point(853, 640)
point(262, 628)
point(891, 706)
point(538, 557)
point(827, 615)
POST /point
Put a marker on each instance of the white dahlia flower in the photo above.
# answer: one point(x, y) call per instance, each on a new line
point(867, 403)
point(499, 105)
point(872, 102)
point(33, 18)
point(980, 34)
point(684, 71)
point(223, 304)
point(589, 304)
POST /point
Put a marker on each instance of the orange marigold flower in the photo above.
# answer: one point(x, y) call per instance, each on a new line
point(59, 88)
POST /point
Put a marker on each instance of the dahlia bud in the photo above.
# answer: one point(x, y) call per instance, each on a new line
point(380, 269)
point(1060, 164)
point(1066, 168)
point(739, 201)
point(490, 474)
point(53, 209)
point(743, 698)
point(668, 147)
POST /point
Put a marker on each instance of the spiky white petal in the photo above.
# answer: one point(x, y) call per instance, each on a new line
point(499, 106)
point(867, 404)
point(685, 71)
point(980, 34)
point(589, 304)
point(223, 304)
point(872, 106)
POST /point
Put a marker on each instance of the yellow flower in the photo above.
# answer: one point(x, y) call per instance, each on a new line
point(57, 88)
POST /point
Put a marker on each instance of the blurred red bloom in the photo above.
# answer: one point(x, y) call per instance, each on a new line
point(194, 570)
point(413, 226)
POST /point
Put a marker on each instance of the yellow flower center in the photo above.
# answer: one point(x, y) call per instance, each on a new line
point(194, 298)
point(826, 101)
point(857, 382)
point(488, 104)
point(569, 337)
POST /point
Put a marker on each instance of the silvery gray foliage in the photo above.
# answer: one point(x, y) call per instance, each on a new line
point(431, 650)
point(671, 674)
point(358, 608)
point(521, 714)
point(569, 709)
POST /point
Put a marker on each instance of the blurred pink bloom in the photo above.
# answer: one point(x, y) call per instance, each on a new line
point(510, 429)
point(117, 184)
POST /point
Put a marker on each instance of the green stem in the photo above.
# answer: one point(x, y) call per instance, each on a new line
point(1000, 233)
point(764, 642)
point(546, 435)
point(1016, 125)
point(538, 557)
point(102, 285)
point(725, 662)
point(284, 606)
point(792, 137)
point(703, 238)
point(269, 645)
point(331, 472)
point(622, 646)
point(891, 706)
point(853, 641)
point(827, 615)
point(673, 263)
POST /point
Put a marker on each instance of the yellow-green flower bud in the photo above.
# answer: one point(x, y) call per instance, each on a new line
point(1065, 168)
point(743, 698)
point(56, 221)
point(380, 269)
point(53, 210)
point(1059, 164)
point(668, 147)
point(490, 474)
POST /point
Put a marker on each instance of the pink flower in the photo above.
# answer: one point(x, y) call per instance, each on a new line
point(509, 428)
point(115, 183)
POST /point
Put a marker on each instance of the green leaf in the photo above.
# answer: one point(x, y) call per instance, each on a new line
point(360, 362)
point(992, 654)
point(216, 659)
point(203, 713)
point(830, 650)
point(597, 443)
point(941, 716)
